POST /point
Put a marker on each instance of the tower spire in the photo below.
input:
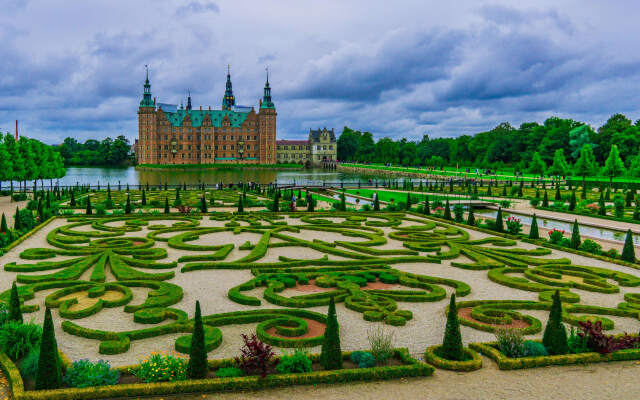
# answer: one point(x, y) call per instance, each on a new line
point(189, 100)
point(228, 101)
point(146, 101)
point(266, 98)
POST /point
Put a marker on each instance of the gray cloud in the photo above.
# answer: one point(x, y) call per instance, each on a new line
point(195, 7)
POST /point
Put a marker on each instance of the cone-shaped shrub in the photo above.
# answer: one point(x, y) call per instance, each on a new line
point(555, 335)
point(166, 205)
point(533, 231)
point(504, 191)
point(452, 343)
point(89, 209)
point(310, 206)
point(602, 210)
point(331, 355)
point(558, 196)
point(572, 201)
point(343, 202)
point(144, 197)
point(408, 205)
point(15, 314)
point(447, 210)
point(240, 205)
point(16, 220)
point(427, 208)
point(489, 190)
point(197, 368)
point(545, 200)
point(575, 236)
point(203, 205)
point(108, 192)
point(3, 225)
point(72, 201)
point(48, 375)
point(471, 219)
point(499, 224)
point(376, 203)
point(628, 252)
point(127, 205)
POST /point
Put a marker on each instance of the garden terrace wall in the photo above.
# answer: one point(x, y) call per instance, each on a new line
point(410, 368)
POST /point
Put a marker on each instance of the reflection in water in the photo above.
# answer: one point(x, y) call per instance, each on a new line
point(132, 176)
point(591, 231)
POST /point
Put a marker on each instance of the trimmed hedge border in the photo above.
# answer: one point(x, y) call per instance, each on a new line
point(470, 365)
point(506, 363)
point(29, 234)
point(410, 368)
point(605, 217)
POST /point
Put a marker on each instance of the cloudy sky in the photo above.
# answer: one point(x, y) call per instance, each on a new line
point(398, 69)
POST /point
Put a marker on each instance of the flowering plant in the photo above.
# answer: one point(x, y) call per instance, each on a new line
point(593, 207)
point(514, 226)
point(161, 367)
point(438, 210)
point(555, 235)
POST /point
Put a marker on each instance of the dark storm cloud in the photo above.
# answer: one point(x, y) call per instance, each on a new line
point(400, 71)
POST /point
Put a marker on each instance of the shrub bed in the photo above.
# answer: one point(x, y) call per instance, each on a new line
point(473, 363)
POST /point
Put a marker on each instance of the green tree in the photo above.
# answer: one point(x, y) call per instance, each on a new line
point(376, 202)
point(452, 342)
point(18, 167)
point(198, 367)
point(3, 225)
point(447, 210)
point(533, 230)
point(545, 199)
point(555, 335)
point(166, 205)
point(572, 201)
point(331, 354)
point(426, 210)
point(614, 166)
point(578, 138)
point(15, 314)
point(127, 205)
point(471, 220)
point(628, 251)
point(89, 209)
point(575, 236)
point(6, 164)
point(143, 201)
point(537, 166)
point(559, 166)
point(48, 373)
point(240, 205)
point(499, 224)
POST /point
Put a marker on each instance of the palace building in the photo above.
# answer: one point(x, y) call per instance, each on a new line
point(320, 149)
point(233, 134)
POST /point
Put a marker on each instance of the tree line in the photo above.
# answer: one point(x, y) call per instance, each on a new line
point(108, 152)
point(531, 146)
point(28, 160)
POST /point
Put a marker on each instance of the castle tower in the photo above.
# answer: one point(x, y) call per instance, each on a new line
point(228, 101)
point(146, 126)
point(267, 126)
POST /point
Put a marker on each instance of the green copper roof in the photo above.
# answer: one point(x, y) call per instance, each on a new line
point(197, 116)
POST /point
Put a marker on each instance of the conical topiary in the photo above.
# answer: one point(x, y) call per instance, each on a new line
point(203, 205)
point(545, 199)
point(558, 196)
point(166, 205)
point(628, 252)
point(602, 210)
point(72, 201)
point(555, 335)
point(144, 197)
point(331, 355)
point(471, 219)
point(376, 202)
point(89, 209)
point(15, 314)
point(575, 236)
point(240, 205)
point(343, 202)
point(310, 205)
point(48, 373)
point(198, 367)
point(16, 220)
point(3, 225)
point(447, 210)
point(533, 231)
point(426, 209)
point(499, 224)
point(572, 201)
point(127, 205)
point(452, 343)
point(408, 204)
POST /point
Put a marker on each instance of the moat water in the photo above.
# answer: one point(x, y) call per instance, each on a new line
point(132, 176)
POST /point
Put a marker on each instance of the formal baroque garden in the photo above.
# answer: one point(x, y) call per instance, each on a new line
point(159, 290)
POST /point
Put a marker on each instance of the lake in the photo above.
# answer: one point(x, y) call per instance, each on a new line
point(131, 176)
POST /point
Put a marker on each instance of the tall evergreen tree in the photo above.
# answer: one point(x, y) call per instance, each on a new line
point(533, 231)
point(602, 210)
point(572, 201)
point(426, 210)
point(144, 197)
point(545, 199)
point(15, 314)
point(555, 335)
point(276, 201)
point(240, 205)
point(376, 202)
point(471, 219)
point(16, 220)
point(198, 367)
point(628, 251)
point(408, 204)
point(89, 209)
point(72, 201)
point(203, 205)
point(127, 205)
point(3, 225)
point(48, 373)
point(166, 205)
point(452, 343)
point(558, 195)
point(343, 202)
point(447, 210)
point(575, 236)
point(614, 166)
point(499, 224)
point(331, 355)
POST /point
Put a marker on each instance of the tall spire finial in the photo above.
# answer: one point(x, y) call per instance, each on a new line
point(228, 100)
point(267, 69)
point(147, 101)
point(228, 69)
point(189, 99)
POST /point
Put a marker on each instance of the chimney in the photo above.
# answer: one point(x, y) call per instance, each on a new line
point(16, 129)
point(154, 101)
